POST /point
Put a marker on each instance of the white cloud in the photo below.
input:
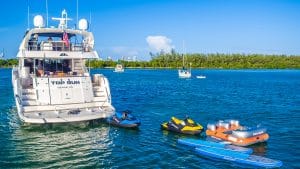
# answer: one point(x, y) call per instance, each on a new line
point(160, 43)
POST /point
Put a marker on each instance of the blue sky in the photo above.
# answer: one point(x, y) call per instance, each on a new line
point(136, 27)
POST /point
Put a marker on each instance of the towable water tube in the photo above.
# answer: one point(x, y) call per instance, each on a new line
point(124, 119)
point(186, 126)
point(230, 130)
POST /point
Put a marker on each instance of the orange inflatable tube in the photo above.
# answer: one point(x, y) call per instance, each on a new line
point(231, 131)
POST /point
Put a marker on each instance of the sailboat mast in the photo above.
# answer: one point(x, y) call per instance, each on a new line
point(183, 60)
point(183, 48)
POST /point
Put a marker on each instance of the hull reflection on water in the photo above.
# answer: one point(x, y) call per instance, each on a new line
point(63, 145)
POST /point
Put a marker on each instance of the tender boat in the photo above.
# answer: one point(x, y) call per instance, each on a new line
point(51, 83)
point(119, 68)
point(201, 77)
point(186, 126)
point(124, 119)
point(230, 130)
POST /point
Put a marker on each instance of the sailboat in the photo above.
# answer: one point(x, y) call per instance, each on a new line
point(184, 72)
point(2, 54)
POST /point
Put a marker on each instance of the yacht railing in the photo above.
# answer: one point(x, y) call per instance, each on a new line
point(19, 90)
point(58, 46)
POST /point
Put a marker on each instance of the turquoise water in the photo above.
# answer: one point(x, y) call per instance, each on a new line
point(267, 97)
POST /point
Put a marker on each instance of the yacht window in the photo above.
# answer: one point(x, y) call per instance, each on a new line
point(53, 67)
point(29, 63)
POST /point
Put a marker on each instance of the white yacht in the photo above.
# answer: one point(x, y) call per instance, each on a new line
point(119, 68)
point(184, 72)
point(51, 83)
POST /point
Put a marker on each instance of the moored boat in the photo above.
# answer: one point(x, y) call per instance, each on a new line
point(119, 68)
point(51, 83)
point(232, 131)
point(124, 119)
point(186, 126)
point(201, 77)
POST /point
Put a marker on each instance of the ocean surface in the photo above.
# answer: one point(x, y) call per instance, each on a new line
point(267, 97)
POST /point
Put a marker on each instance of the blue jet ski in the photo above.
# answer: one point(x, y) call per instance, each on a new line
point(124, 119)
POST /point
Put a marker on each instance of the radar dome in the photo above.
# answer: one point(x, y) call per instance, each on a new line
point(38, 21)
point(83, 24)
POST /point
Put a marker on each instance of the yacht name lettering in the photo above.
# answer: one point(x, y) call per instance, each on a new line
point(62, 82)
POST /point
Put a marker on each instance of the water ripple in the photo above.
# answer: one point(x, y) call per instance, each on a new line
point(270, 98)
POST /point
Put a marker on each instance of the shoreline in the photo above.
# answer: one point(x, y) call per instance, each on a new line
point(169, 68)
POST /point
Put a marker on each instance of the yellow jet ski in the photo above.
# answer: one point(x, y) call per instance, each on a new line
point(186, 126)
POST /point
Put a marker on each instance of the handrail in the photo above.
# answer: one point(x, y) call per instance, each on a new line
point(58, 46)
point(108, 95)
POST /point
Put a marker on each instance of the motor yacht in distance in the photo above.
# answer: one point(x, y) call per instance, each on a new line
point(119, 68)
point(51, 83)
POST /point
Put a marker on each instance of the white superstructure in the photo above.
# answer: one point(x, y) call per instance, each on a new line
point(51, 83)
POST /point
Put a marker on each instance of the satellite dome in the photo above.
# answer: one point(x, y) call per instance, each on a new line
point(83, 24)
point(38, 21)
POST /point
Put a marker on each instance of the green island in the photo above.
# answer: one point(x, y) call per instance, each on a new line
point(205, 61)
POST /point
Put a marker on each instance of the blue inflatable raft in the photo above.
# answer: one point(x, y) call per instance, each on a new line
point(238, 157)
point(124, 119)
point(202, 143)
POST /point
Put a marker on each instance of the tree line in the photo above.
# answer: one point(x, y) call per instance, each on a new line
point(221, 61)
point(8, 62)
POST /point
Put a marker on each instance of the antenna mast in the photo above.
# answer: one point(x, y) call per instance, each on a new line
point(90, 25)
point(47, 12)
point(183, 48)
point(28, 15)
point(63, 21)
point(77, 13)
